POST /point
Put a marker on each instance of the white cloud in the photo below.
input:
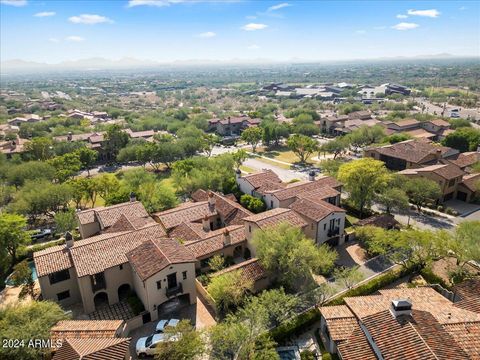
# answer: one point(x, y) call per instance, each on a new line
point(75, 38)
point(279, 6)
point(254, 26)
point(361, 32)
point(89, 19)
point(401, 16)
point(405, 26)
point(54, 40)
point(157, 3)
point(433, 13)
point(253, 47)
point(14, 2)
point(208, 34)
point(45, 14)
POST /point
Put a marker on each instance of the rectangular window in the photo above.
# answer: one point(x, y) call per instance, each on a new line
point(271, 203)
point(63, 295)
point(59, 276)
point(184, 275)
point(250, 228)
point(324, 226)
point(159, 284)
point(451, 183)
point(121, 266)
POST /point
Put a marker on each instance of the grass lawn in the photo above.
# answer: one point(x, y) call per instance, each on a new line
point(350, 220)
point(247, 169)
point(274, 163)
point(284, 154)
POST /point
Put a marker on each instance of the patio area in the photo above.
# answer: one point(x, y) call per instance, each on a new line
point(120, 310)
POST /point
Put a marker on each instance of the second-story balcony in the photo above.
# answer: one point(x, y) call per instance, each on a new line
point(333, 232)
point(174, 290)
point(98, 282)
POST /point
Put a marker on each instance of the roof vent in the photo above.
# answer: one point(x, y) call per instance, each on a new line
point(311, 175)
point(133, 197)
point(401, 307)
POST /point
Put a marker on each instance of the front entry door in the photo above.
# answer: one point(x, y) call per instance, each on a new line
point(172, 280)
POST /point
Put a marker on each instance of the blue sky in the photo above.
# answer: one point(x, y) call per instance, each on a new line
point(167, 30)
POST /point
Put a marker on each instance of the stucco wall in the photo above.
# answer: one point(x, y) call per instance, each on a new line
point(50, 291)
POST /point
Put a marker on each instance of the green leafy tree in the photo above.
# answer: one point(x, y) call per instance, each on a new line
point(65, 220)
point(302, 146)
point(188, 344)
point(156, 197)
point(105, 184)
point(330, 166)
point(303, 124)
point(348, 277)
point(285, 251)
point(252, 203)
point(463, 139)
point(31, 170)
point(366, 135)
point(216, 263)
point(421, 190)
point(87, 158)
point(13, 234)
point(66, 166)
point(336, 146)
point(210, 140)
point(115, 139)
point(252, 136)
point(26, 321)
point(239, 158)
point(362, 179)
point(40, 148)
point(393, 199)
point(229, 289)
point(465, 243)
point(22, 276)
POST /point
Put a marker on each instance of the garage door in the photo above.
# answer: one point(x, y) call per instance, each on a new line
point(461, 196)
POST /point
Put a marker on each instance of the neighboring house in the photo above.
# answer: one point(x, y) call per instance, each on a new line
point(360, 115)
point(85, 329)
point(469, 189)
point(416, 323)
point(464, 160)
point(12, 147)
point(121, 217)
point(330, 123)
point(433, 130)
point(409, 154)
point(447, 176)
point(232, 125)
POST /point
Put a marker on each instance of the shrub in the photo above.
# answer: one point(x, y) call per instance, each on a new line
point(296, 325)
point(440, 208)
point(307, 355)
point(432, 278)
point(135, 303)
point(449, 211)
point(252, 203)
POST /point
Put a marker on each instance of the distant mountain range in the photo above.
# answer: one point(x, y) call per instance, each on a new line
point(98, 63)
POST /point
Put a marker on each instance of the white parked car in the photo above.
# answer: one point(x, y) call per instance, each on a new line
point(146, 345)
point(162, 324)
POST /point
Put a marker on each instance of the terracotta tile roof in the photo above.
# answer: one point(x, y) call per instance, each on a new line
point(416, 337)
point(258, 179)
point(84, 329)
point(214, 242)
point(440, 122)
point(356, 347)
point(275, 217)
point(406, 122)
point(251, 270)
point(95, 254)
point(467, 335)
point(188, 231)
point(463, 160)
point(298, 188)
point(447, 171)
point(109, 215)
point(86, 216)
point(321, 193)
point(187, 212)
point(154, 255)
point(341, 328)
point(385, 221)
point(469, 293)
point(314, 210)
point(93, 349)
point(48, 261)
point(420, 134)
point(336, 312)
point(471, 181)
point(413, 150)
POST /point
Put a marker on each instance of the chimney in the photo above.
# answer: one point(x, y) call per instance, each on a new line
point(238, 174)
point(401, 307)
point(206, 223)
point(133, 197)
point(226, 238)
point(211, 199)
point(311, 175)
point(68, 239)
point(438, 153)
point(69, 136)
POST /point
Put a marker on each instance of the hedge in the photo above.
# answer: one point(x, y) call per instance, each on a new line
point(431, 278)
point(295, 325)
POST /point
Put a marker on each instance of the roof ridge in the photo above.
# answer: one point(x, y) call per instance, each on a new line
point(423, 340)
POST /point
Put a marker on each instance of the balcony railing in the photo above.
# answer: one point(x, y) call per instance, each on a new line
point(333, 232)
point(172, 291)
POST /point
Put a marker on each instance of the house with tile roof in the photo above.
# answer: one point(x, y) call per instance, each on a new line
point(94, 349)
point(102, 270)
point(251, 270)
point(86, 329)
point(413, 323)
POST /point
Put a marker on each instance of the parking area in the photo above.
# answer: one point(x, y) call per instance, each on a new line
point(197, 314)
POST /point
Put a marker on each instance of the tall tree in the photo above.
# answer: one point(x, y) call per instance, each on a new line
point(302, 146)
point(229, 289)
point(239, 158)
point(115, 139)
point(13, 234)
point(252, 136)
point(87, 158)
point(183, 342)
point(421, 190)
point(393, 199)
point(336, 146)
point(40, 148)
point(286, 252)
point(362, 179)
